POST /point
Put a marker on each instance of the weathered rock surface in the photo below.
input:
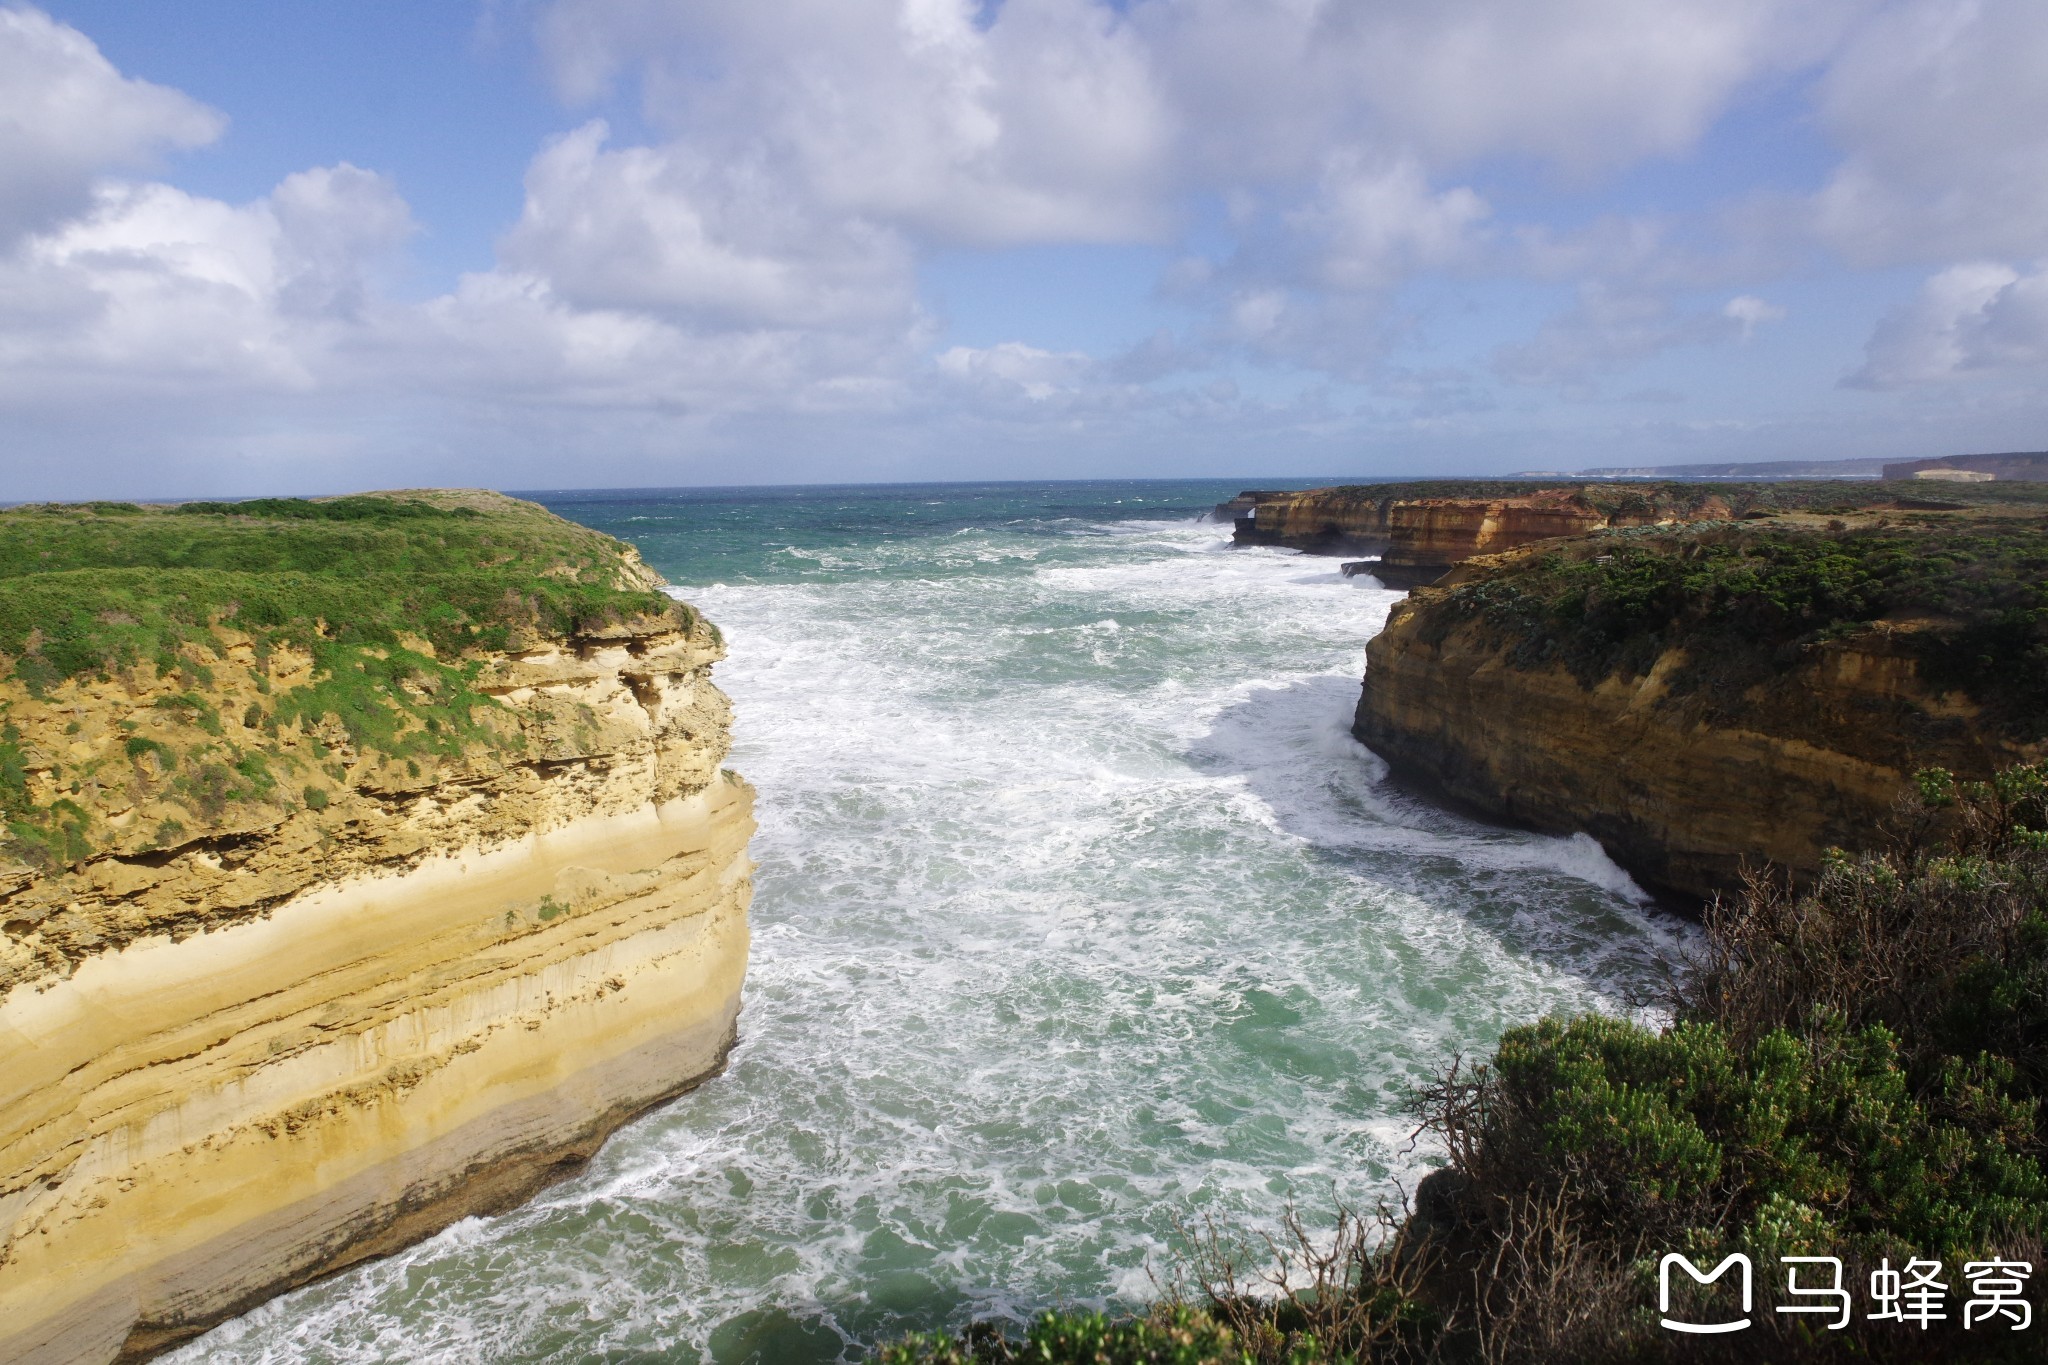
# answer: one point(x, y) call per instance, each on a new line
point(1682, 794)
point(299, 1037)
point(1419, 535)
point(1331, 521)
point(1241, 506)
point(1427, 536)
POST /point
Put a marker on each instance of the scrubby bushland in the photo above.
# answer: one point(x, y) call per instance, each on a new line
point(1746, 600)
point(1299, 1299)
point(1854, 1070)
point(1665, 500)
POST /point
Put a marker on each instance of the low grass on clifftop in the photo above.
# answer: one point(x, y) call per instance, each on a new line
point(240, 649)
point(104, 586)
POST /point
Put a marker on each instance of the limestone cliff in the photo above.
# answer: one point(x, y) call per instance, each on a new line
point(1704, 699)
point(1426, 536)
point(1243, 504)
point(1420, 530)
point(1345, 520)
point(293, 974)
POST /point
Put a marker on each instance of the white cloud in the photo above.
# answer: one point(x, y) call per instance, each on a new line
point(1588, 85)
point(1611, 328)
point(503, 337)
point(156, 288)
point(1037, 374)
point(1975, 317)
point(1942, 108)
point(1749, 312)
point(1043, 125)
point(1068, 120)
point(334, 224)
point(67, 116)
point(663, 230)
point(757, 252)
point(1371, 226)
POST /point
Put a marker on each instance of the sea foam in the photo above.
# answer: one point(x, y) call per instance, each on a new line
point(1079, 912)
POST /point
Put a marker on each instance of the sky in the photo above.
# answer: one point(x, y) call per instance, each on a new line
point(274, 246)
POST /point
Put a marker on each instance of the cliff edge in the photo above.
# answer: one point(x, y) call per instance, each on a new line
point(1420, 530)
point(367, 861)
point(1706, 697)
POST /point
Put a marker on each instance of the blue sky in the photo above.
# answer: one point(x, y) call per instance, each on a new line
point(256, 248)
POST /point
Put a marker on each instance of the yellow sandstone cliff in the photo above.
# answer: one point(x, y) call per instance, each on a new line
point(257, 1050)
point(1426, 536)
point(1685, 785)
point(1420, 530)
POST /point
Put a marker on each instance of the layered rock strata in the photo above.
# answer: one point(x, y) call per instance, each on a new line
point(253, 1049)
point(1425, 537)
point(1685, 789)
point(1419, 533)
point(1333, 521)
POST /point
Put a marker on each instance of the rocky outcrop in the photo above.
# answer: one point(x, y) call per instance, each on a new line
point(1420, 531)
point(1684, 786)
point(1324, 521)
point(255, 1041)
point(1242, 506)
point(1425, 537)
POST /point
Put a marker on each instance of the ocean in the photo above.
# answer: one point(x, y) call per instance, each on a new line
point(1080, 919)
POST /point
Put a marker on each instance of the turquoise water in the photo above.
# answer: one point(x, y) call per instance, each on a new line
point(1079, 914)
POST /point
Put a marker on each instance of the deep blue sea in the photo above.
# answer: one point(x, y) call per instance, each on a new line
point(1080, 916)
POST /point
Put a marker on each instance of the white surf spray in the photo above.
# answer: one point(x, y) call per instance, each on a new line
point(1078, 911)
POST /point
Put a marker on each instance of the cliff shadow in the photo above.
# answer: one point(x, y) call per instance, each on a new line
point(1559, 899)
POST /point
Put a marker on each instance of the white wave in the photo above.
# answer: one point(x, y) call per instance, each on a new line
point(1078, 909)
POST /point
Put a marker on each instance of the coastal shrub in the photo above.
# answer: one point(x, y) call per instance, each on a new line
point(1172, 1336)
point(1745, 600)
point(1807, 1142)
point(1942, 939)
point(358, 508)
point(1303, 1296)
point(1855, 1069)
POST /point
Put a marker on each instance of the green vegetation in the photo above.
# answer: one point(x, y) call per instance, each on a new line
point(1181, 1336)
point(1746, 599)
point(41, 834)
point(91, 592)
point(1854, 1070)
point(394, 601)
point(1824, 496)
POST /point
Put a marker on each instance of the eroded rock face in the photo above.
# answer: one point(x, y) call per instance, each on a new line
point(1682, 795)
point(1331, 521)
point(240, 1055)
point(1427, 536)
point(1420, 537)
